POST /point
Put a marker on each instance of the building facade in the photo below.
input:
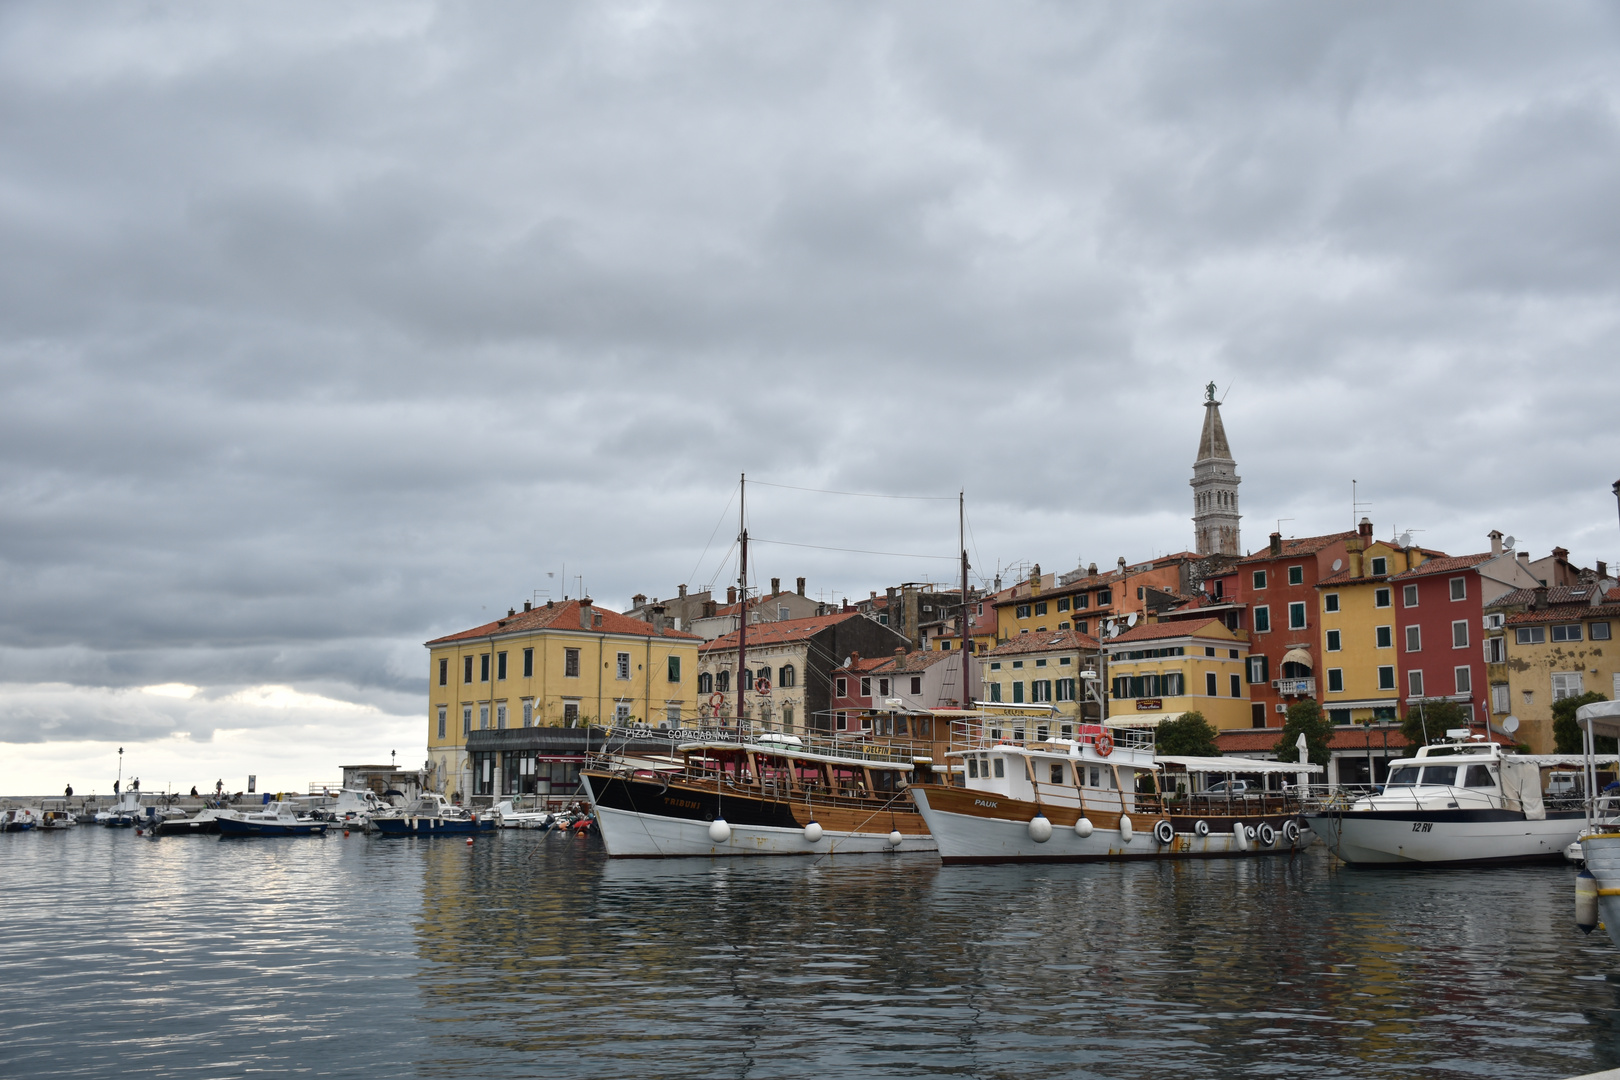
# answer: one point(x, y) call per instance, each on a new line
point(1215, 487)
point(1158, 671)
point(1043, 672)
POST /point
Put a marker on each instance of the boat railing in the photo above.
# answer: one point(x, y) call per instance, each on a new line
point(1340, 797)
point(983, 733)
point(873, 750)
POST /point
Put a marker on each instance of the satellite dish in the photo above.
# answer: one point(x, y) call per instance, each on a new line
point(1508, 541)
point(1338, 564)
point(1130, 620)
point(1405, 540)
point(1510, 725)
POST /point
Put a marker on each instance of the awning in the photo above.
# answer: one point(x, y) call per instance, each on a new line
point(1297, 656)
point(1142, 720)
point(1600, 717)
point(1237, 765)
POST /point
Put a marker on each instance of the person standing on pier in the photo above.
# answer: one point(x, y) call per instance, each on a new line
point(68, 794)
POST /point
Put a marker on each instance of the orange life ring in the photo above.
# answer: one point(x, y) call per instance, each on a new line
point(762, 685)
point(716, 700)
point(1104, 744)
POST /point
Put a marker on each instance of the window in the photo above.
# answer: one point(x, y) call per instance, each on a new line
point(1040, 608)
point(528, 663)
point(1296, 575)
point(500, 717)
point(1600, 631)
point(1065, 689)
point(1258, 669)
point(1257, 715)
point(1414, 683)
point(1021, 611)
point(1065, 661)
point(1335, 680)
point(466, 719)
point(622, 668)
point(1499, 698)
point(1530, 635)
point(466, 668)
point(883, 620)
point(483, 718)
point(674, 669)
point(1079, 602)
point(1231, 654)
point(1018, 693)
point(1380, 598)
point(1001, 767)
point(443, 710)
point(1566, 684)
point(1465, 680)
point(621, 713)
point(1567, 632)
point(1173, 684)
point(995, 665)
point(570, 713)
point(1063, 603)
point(1414, 638)
point(1338, 717)
point(571, 663)
point(1296, 615)
point(1262, 619)
point(500, 665)
point(1209, 650)
point(672, 715)
point(1209, 684)
point(1017, 664)
point(1040, 690)
point(916, 684)
point(1459, 634)
point(1330, 602)
point(995, 691)
point(1105, 597)
point(787, 676)
point(883, 687)
point(1041, 662)
point(1083, 626)
point(483, 667)
point(866, 686)
point(1057, 772)
point(528, 712)
point(1380, 565)
point(1063, 626)
point(444, 671)
point(722, 682)
point(1409, 596)
point(1496, 650)
point(1334, 644)
point(1384, 637)
point(1139, 592)
point(1459, 588)
point(1259, 579)
point(1237, 685)
point(1478, 776)
point(843, 688)
point(706, 684)
point(1386, 678)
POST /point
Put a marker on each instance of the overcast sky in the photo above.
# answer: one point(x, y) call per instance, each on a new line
point(328, 329)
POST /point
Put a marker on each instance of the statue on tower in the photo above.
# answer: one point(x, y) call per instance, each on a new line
point(1209, 392)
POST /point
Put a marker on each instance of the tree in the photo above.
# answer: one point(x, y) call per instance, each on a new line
point(1567, 733)
point(1306, 718)
point(1188, 735)
point(1428, 722)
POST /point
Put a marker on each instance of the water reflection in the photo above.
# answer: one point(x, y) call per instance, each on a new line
point(525, 955)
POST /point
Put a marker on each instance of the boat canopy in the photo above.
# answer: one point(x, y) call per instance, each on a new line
point(1237, 765)
point(1601, 718)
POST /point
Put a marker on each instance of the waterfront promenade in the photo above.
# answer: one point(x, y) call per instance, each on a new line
point(527, 955)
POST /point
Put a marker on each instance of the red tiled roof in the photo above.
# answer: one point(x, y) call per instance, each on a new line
point(1564, 613)
point(1445, 564)
point(1556, 594)
point(1293, 548)
point(1049, 641)
point(563, 616)
point(915, 661)
point(1612, 594)
point(1344, 577)
point(775, 633)
point(1156, 631)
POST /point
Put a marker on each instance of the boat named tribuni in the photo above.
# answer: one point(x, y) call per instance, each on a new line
point(1095, 797)
point(765, 794)
point(1462, 803)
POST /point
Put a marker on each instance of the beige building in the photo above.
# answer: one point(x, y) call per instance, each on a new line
point(1041, 675)
point(1558, 644)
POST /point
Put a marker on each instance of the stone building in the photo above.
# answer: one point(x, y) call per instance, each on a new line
point(1215, 487)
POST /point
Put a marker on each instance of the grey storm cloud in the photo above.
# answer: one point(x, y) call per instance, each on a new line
point(329, 328)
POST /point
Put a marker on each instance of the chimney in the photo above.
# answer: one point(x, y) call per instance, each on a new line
point(511, 612)
point(801, 586)
point(1496, 542)
point(1541, 596)
point(638, 600)
point(657, 619)
point(683, 592)
point(889, 592)
point(1091, 571)
point(854, 658)
point(528, 604)
point(1276, 544)
point(776, 586)
point(731, 594)
point(710, 609)
point(585, 612)
point(1560, 554)
point(899, 650)
point(1524, 557)
point(1602, 569)
point(1365, 531)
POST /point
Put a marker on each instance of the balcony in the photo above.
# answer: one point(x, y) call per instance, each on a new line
point(1296, 687)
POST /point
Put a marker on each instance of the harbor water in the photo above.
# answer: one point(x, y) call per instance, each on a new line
point(527, 955)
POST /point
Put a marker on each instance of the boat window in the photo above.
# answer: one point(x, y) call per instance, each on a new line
point(1001, 768)
point(973, 767)
point(1479, 776)
point(1096, 777)
point(1402, 777)
point(1440, 774)
point(1057, 772)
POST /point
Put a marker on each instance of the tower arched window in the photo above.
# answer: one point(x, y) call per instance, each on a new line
point(705, 683)
point(722, 682)
point(786, 676)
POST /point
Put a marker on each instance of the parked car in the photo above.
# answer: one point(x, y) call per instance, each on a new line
point(1223, 788)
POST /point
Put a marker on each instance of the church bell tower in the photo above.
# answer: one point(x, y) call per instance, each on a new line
point(1215, 486)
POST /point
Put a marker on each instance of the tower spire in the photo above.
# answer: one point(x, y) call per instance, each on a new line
point(1215, 486)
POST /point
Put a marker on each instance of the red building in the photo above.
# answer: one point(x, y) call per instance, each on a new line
point(855, 691)
point(1439, 618)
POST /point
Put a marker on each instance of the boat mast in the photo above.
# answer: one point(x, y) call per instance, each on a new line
point(742, 596)
point(967, 618)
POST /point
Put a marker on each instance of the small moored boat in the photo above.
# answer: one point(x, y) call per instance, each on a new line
point(276, 819)
point(432, 815)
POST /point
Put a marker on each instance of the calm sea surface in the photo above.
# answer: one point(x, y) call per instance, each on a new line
point(524, 955)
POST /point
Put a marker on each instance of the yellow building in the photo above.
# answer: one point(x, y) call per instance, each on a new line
point(1557, 650)
point(1038, 676)
point(565, 665)
point(1157, 671)
point(1360, 677)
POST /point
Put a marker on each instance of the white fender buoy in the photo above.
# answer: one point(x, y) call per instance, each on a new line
point(895, 839)
point(1040, 829)
point(1164, 832)
point(719, 831)
point(812, 831)
point(1586, 901)
point(1291, 831)
point(1202, 828)
point(1239, 839)
point(1083, 827)
point(1268, 835)
point(1125, 828)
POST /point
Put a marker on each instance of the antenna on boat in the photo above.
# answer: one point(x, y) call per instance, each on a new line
point(742, 596)
point(967, 617)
